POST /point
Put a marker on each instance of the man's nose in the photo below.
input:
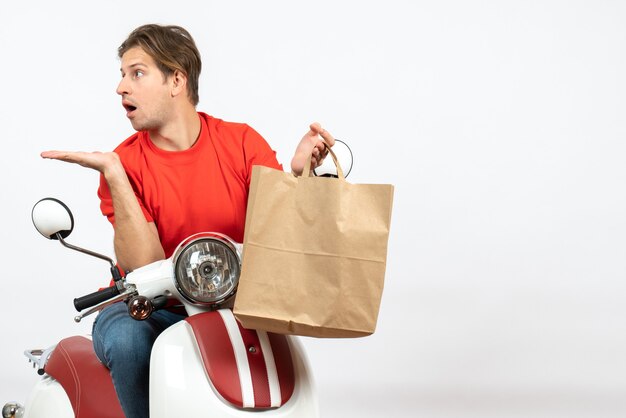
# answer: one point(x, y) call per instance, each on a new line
point(122, 87)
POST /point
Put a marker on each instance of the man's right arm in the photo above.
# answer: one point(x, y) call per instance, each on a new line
point(136, 241)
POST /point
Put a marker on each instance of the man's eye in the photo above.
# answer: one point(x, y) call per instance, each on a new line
point(138, 73)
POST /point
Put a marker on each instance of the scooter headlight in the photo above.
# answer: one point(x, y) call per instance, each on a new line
point(207, 268)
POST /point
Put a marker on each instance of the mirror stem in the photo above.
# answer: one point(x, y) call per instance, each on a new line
point(82, 250)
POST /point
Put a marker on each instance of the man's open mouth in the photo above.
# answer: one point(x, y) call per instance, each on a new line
point(129, 108)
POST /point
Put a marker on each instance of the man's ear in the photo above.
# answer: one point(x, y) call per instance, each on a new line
point(178, 83)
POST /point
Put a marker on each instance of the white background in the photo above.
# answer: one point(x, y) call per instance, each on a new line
point(501, 124)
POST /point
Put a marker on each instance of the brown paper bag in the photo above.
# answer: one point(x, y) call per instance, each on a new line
point(314, 254)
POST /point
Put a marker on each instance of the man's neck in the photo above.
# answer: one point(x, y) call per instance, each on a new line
point(179, 134)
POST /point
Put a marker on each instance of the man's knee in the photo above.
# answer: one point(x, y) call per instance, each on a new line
point(119, 338)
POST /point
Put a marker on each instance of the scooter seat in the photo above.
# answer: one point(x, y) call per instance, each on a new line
point(87, 382)
point(248, 368)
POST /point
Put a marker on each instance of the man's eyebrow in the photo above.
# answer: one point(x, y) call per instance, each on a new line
point(131, 66)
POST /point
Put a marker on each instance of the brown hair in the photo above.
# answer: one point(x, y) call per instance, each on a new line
point(172, 48)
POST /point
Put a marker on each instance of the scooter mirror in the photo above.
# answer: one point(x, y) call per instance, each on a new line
point(51, 217)
point(344, 156)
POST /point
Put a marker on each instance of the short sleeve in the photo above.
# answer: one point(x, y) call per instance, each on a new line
point(258, 152)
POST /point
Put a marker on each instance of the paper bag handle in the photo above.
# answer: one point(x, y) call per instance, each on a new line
point(306, 172)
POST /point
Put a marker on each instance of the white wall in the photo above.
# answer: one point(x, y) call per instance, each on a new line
point(501, 124)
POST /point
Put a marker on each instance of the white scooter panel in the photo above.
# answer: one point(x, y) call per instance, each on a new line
point(182, 383)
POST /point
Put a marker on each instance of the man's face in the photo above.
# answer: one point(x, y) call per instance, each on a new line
point(145, 93)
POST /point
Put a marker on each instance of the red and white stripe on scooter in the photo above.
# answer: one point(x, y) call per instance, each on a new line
point(250, 369)
point(242, 350)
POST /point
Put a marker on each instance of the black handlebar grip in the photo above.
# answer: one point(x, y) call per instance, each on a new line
point(95, 298)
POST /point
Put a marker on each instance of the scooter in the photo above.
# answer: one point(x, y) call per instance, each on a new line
point(207, 365)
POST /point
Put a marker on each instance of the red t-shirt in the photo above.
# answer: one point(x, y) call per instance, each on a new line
point(202, 189)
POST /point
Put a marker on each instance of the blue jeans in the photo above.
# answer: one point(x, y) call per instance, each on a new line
point(124, 345)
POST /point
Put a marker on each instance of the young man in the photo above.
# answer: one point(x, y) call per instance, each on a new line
point(183, 172)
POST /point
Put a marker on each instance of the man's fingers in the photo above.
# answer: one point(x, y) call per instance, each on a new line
point(70, 157)
point(57, 155)
point(49, 154)
point(328, 138)
point(316, 129)
point(94, 160)
point(312, 146)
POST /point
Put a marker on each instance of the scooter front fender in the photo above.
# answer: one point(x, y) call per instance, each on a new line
point(179, 385)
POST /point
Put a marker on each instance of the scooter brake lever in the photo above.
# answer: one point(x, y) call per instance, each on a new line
point(130, 291)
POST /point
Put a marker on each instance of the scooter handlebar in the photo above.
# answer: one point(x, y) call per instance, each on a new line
point(95, 298)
